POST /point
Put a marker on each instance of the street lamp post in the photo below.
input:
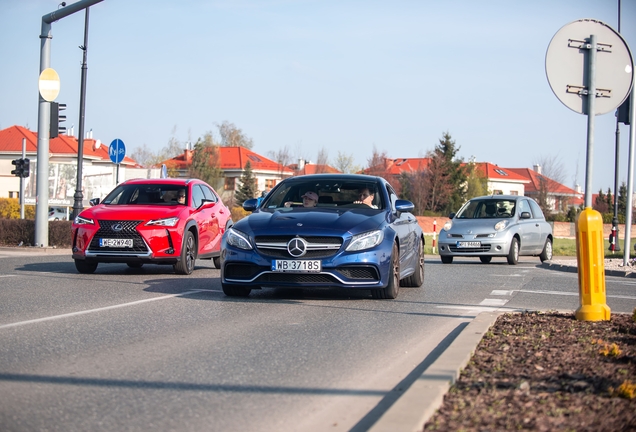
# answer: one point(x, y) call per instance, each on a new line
point(79, 196)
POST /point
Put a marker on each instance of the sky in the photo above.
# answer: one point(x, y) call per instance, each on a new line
point(345, 76)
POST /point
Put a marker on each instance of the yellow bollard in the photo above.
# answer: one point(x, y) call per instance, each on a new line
point(591, 264)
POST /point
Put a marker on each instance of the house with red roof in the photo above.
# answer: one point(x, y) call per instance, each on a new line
point(304, 167)
point(558, 196)
point(232, 161)
point(99, 173)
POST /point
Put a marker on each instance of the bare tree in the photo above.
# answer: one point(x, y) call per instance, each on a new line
point(436, 187)
point(282, 157)
point(322, 161)
point(345, 163)
point(551, 177)
point(231, 136)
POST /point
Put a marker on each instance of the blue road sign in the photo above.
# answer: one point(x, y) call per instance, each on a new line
point(117, 151)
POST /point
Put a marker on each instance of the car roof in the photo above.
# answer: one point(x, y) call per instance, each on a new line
point(174, 181)
point(500, 197)
point(335, 176)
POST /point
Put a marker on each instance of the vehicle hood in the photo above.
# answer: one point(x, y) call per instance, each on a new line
point(311, 222)
point(476, 226)
point(131, 212)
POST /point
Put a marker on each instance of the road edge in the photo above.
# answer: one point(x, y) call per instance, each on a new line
point(424, 397)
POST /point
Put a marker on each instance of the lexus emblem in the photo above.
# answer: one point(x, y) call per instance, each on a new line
point(297, 247)
point(117, 227)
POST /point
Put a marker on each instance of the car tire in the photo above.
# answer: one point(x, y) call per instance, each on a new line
point(446, 259)
point(135, 265)
point(236, 291)
point(185, 266)
point(546, 253)
point(217, 262)
point(513, 254)
point(485, 259)
point(85, 267)
point(417, 278)
point(393, 287)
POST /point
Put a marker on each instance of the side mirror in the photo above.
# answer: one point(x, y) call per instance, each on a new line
point(250, 204)
point(94, 201)
point(452, 215)
point(525, 215)
point(403, 206)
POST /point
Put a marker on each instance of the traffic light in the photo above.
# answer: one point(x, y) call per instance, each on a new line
point(56, 118)
point(26, 167)
point(22, 167)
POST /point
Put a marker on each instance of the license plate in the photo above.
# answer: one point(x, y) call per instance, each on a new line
point(461, 244)
point(104, 242)
point(297, 266)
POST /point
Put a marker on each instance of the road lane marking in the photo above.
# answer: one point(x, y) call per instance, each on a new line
point(502, 292)
point(73, 314)
point(493, 302)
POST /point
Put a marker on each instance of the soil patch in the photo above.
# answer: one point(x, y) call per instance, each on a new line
point(544, 372)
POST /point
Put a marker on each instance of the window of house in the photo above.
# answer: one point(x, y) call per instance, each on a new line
point(270, 183)
point(514, 193)
point(13, 194)
point(230, 183)
point(497, 192)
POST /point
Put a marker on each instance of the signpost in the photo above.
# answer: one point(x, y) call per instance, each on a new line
point(590, 69)
point(116, 152)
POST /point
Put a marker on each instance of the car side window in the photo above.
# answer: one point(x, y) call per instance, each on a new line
point(392, 196)
point(209, 195)
point(523, 207)
point(197, 196)
point(536, 210)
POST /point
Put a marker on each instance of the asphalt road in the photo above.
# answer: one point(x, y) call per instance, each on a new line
point(141, 349)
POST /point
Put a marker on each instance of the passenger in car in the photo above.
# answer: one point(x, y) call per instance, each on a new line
point(310, 199)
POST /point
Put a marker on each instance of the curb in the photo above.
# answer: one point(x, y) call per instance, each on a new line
point(35, 250)
point(424, 397)
point(575, 269)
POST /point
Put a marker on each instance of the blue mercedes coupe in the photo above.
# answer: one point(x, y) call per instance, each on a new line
point(325, 230)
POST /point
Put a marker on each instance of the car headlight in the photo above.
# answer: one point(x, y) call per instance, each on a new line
point(164, 222)
point(83, 221)
point(365, 240)
point(448, 225)
point(238, 239)
point(501, 225)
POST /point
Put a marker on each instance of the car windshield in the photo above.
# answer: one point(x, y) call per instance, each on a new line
point(330, 193)
point(145, 194)
point(487, 208)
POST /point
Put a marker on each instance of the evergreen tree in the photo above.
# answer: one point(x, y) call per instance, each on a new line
point(248, 185)
point(455, 173)
point(622, 199)
point(206, 162)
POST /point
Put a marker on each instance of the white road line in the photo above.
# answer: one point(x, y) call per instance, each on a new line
point(502, 292)
point(72, 314)
point(9, 275)
point(493, 302)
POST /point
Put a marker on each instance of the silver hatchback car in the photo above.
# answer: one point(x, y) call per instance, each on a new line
point(496, 226)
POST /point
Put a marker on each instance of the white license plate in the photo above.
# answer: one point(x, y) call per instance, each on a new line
point(465, 244)
point(297, 266)
point(104, 242)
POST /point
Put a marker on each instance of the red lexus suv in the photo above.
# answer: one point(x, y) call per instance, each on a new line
point(151, 221)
